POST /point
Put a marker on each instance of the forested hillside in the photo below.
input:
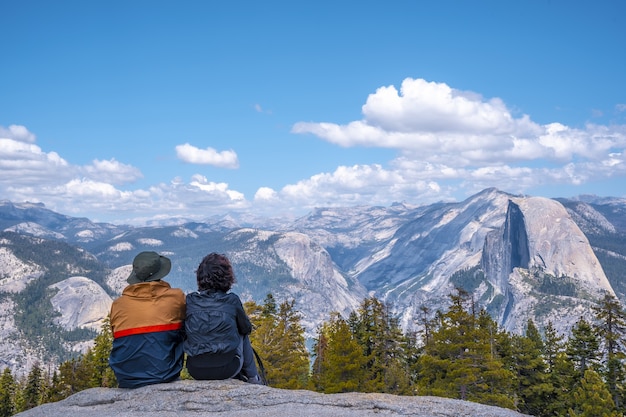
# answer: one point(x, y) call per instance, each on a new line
point(34, 316)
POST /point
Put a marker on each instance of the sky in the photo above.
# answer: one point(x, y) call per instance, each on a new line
point(134, 111)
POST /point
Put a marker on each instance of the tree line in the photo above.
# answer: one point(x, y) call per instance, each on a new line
point(460, 353)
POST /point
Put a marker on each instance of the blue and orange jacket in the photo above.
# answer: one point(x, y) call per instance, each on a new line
point(147, 324)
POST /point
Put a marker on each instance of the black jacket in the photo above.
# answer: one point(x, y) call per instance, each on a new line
point(214, 323)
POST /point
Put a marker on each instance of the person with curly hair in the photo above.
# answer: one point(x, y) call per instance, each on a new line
point(217, 328)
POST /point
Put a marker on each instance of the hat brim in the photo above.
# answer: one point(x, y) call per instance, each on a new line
point(166, 267)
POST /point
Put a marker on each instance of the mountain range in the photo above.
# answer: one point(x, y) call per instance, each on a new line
point(522, 257)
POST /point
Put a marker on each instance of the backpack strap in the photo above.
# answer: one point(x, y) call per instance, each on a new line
point(261, 367)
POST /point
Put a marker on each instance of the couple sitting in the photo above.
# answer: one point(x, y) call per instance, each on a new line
point(153, 325)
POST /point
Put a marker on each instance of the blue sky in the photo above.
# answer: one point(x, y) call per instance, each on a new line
point(126, 111)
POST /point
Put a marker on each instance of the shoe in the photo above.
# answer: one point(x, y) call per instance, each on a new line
point(255, 380)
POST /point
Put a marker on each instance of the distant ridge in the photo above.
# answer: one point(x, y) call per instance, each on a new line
point(520, 256)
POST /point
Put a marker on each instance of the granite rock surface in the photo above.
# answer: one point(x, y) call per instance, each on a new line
point(234, 398)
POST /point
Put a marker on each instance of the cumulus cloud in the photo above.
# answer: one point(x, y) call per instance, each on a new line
point(209, 156)
point(23, 163)
point(449, 139)
point(18, 133)
point(112, 171)
point(357, 185)
point(445, 140)
point(265, 194)
point(435, 122)
point(27, 173)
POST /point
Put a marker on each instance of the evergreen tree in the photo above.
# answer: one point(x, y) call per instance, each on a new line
point(583, 347)
point(611, 326)
point(289, 359)
point(592, 398)
point(553, 345)
point(278, 337)
point(97, 358)
point(384, 346)
point(33, 389)
point(54, 392)
point(339, 364)
point(76, 375)
point(461, 360)
point(262, 338)
point(562, 378)
point(8, 388)
point(526, 362)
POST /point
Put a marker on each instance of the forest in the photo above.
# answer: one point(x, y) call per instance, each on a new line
point(460, 353)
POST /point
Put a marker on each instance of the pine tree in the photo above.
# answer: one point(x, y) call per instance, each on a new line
point(279, 339)
point(562, 377)
point(461, 360)
point(76, 375)
point(289, 359)
point(583, 347)
point(339, 364)
point(97, 358)
point(54, 392)
point(552, 345)
point(611, 326)
point(8, 388)
point(527, 364)
point(384, 346)
point(262, 338)
point(592, 398)
point(33, 388)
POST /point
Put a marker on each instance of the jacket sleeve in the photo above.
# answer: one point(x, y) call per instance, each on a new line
point(243, 322)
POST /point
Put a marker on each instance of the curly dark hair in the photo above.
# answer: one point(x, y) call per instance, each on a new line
point(215, 273)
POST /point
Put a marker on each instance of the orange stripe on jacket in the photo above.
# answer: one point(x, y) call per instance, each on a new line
point(148, 329)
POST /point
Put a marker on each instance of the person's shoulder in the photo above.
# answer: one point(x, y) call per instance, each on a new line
point(232, 298)
point(178, 292)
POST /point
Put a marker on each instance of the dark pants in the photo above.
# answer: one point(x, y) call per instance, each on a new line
point(224, 366)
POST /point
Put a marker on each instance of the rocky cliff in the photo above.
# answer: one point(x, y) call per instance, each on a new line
point(540, 265)
point(233, 398)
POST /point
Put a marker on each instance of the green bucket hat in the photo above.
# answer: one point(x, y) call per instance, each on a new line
point(149, 266)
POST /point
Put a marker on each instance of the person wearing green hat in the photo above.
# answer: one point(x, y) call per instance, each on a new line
point(147, 325)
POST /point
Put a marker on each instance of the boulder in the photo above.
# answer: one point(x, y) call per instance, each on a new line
point(233, 398)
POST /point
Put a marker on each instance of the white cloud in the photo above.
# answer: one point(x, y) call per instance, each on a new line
point(358, 185)
point(22, 163)
point(209, 156)
point(448, 143)
point(18, 133)
point(112, 171)
point(211, 188)
point(265, 194)
point(433, 122)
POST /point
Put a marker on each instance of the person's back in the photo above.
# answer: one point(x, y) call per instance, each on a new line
point(147, 325)
point(217, 327)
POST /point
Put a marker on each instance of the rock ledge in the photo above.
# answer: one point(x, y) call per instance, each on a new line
point(234, 398)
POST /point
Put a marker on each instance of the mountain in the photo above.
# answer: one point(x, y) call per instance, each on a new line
point(521, 257)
